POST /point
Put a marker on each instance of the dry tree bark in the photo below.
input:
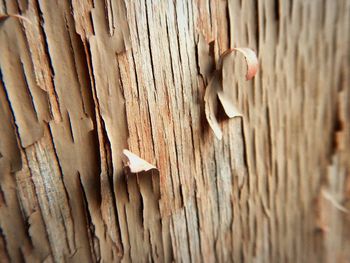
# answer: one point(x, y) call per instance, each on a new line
point(85, 79)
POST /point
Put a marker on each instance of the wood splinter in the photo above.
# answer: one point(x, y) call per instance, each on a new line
point(3, 17)
point(135, 163)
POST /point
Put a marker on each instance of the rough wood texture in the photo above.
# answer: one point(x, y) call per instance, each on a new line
point(88, 78)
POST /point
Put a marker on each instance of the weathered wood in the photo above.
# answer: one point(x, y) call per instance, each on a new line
point(85, 79)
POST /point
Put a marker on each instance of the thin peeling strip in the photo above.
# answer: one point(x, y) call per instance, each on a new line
point(334, 202)
point(211, 103)
point(135, 163)
point(3, 17)
point(250, 57)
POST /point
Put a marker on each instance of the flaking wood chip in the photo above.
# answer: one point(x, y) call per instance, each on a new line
point(252, 68)
point(3, 17)
point(215, 89)
point(229, 107)
point(211, 103)
point(250, 57)
point(135, 163)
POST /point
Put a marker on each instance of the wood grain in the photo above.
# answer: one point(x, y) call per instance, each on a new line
point(86, 79)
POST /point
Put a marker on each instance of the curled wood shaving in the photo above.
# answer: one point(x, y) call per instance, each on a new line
point(230, 109)
point(211, 103)
point(215, 89)
point(3, 17)
point(135, 163)
point(250, 57)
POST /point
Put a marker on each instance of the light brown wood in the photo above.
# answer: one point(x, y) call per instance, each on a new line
point(86, 79)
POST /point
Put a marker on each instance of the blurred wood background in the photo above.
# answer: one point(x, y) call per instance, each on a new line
point(83, 79)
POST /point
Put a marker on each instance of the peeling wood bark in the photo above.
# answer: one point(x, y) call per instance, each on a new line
point(86, 79)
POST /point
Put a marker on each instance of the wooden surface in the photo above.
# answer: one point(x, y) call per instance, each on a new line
point(87, 78)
